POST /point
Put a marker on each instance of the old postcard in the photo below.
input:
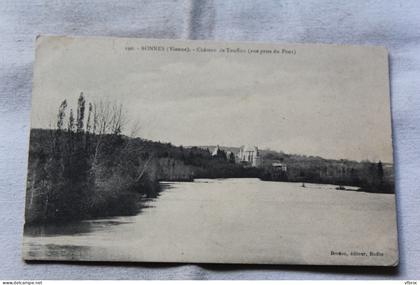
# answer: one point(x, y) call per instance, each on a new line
point(210, 152)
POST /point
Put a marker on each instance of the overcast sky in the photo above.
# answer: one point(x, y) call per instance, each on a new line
point(326, 101)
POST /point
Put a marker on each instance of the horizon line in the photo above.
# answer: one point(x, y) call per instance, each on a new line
point(221, 146)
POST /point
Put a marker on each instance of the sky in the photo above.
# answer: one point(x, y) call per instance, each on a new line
point(329, 101)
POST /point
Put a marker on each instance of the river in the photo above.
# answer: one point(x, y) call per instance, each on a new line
point(233, 220)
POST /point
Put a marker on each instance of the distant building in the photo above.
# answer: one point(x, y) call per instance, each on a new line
point(250, 155)
point(219, 153)
point(216, 151)
point(282, 167)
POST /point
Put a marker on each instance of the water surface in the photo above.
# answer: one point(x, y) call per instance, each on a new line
point(233, 220)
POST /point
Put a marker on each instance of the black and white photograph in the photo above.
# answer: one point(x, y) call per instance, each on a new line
point(146, 150)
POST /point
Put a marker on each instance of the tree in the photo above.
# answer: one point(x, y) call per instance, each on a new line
point(95, 119)
point(231, 157)
point(61, 115)
point(88, 123)
point(80, 113)
point(71, 121)
point(135, 128)
point(380, 170)
point(108, 118)
point(221, 154)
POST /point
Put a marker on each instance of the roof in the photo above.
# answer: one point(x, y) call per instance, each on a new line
point(250, 148)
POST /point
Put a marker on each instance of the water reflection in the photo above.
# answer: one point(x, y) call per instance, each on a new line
point(64, 252)
point(71, 228)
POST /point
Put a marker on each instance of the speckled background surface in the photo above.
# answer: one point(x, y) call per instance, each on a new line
point(393, 24)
